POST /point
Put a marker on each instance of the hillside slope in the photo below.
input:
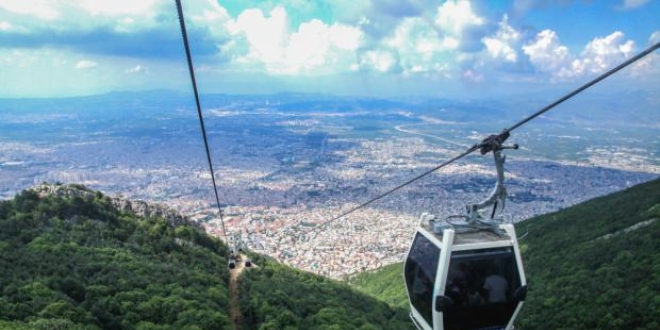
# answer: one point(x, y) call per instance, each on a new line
point(592, 266)
point(589, 268)
point(72, 258)
point(274, 296)
point(386, 283)
point(73, 261)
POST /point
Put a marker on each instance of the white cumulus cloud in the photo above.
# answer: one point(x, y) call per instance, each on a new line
point(459, 26)
point(85, 64)
point(453, 17)
point(266, 35)
point(649, 66)
point(500, 45)
point(309, 46)
point(42, 9)
point(378, 60)
point(317, 45)
point(417, 44)
point(428, 44)
point(82, 15)
point(604, 53)
point(633, 4)
point(118, 7)
point(5, 26)
point(547, 54)
point(314, 47)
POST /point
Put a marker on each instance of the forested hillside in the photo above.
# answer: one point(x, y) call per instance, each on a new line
point(591, 266)
point(385, 283)
point(79, 263)
point(596, 265)
point(278, 297)
point(75, 261)
point(72, 260)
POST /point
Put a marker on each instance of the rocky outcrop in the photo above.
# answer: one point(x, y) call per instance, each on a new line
point(138, 207)
point(150, 210)
point(64, 190)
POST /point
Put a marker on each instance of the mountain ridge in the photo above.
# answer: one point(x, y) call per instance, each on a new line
point(138, 208)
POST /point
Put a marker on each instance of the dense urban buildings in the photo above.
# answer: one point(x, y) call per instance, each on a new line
point(287, 165)
point(283, 203)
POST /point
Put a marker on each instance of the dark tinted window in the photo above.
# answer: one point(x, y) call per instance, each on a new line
point(481, 282)
point(420, 271)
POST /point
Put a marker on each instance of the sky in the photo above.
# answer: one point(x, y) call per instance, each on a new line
point(381, 48)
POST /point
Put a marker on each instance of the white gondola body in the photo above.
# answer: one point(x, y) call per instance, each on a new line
point(442, 301)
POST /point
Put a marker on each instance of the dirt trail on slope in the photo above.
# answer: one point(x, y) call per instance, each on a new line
point(234, 308)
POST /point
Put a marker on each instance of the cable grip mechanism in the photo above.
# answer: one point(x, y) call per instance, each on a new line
point(499, 194)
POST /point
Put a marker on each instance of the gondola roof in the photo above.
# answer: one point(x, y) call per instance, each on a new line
point(471, 237)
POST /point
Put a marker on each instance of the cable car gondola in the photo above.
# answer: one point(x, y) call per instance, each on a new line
point(467, 274)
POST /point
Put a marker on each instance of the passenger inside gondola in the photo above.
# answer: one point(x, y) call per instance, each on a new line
point(496, 286)
point(457, 284)
point(480, 282)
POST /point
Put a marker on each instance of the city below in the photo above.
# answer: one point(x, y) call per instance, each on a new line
point(284, 177)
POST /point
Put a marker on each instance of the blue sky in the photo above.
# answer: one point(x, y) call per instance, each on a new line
point(58, 48)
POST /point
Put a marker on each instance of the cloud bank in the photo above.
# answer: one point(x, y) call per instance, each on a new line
point(452, 41)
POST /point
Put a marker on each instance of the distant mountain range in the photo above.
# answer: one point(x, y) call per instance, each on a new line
point(637, 106)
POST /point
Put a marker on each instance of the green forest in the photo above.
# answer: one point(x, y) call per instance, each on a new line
point(591, 266)
point(274, 296)
point(78, 263)
point(73, 261)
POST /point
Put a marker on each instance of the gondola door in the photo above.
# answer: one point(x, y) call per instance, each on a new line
point(484, 286)
point(424, 274)
point(420, 272)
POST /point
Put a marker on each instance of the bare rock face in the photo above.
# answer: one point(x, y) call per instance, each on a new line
point(64, 190)
point(150, 210)
point(138, 207)
point(122, 205)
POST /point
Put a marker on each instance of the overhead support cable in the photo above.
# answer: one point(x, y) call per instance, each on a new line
point(199, 114)
point(487, 144)
point(585, 86)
